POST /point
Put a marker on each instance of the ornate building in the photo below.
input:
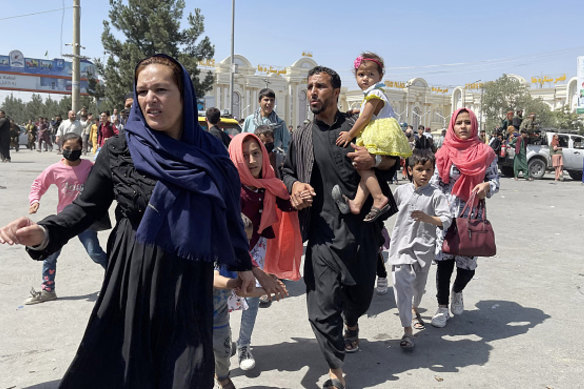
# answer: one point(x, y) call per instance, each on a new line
point(415, 102)
point(288, 83)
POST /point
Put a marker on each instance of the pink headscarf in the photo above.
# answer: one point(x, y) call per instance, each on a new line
point(471, 157)
point(273, 186)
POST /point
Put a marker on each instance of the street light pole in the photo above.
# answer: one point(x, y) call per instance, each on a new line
point(232, 68)
point(75, 77)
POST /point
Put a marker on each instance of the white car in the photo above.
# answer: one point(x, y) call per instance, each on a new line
point(539, 159)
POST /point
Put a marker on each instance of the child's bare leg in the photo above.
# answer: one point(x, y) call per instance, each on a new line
point(360, 197)
point(370, 180)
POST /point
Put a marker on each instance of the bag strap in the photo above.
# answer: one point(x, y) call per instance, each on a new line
point(481, 206)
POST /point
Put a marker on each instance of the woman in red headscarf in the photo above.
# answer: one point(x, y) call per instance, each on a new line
point(464, 164)
point(276, 244)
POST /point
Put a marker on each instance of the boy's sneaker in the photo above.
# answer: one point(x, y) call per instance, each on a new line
point(381, 285)
point(456, 303)
point(40, 297)
point(441, 317)
point(245, 358)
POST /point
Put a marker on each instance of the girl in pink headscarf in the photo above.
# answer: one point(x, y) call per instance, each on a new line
point(464, 164)
point(266, 202)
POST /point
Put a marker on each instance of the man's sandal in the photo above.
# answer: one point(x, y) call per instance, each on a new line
point(333, 383)
point(351, 338)
point(227, 385)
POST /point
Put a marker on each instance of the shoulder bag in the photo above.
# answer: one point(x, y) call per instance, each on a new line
point(470, 235)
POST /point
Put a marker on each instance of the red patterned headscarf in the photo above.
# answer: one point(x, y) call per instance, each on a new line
point(273, 186)
point(470, 156)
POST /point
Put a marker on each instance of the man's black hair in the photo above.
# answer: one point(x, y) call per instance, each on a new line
point(335, 79)
point(266, 92)
point(421, 156)
point(213, 115)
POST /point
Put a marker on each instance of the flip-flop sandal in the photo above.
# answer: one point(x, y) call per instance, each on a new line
point(341, 200)
point(407, 342)
point(418, 323)
point(375, 213)
point(351, 338)
point(333, 383)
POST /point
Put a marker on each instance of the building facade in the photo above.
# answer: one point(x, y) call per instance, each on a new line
point(415, 102)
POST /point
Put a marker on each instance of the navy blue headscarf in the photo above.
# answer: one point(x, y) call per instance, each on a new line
point(194, 211)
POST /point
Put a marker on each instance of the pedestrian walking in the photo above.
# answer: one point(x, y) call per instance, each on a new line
point(341, 252)
point(4, 137)
point(261, 195)
point(178, 211)
point(557, 157)
point(69, 176)
point(464, 165)
point(422, 208)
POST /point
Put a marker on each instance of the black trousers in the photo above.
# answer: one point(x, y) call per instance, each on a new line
point(330, 302)
point(443, 275)
point(381, 271)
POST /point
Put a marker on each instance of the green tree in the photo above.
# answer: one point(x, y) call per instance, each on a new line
point(504, 94)
point(14, 108)
point(35, 107)
point(566, 120)
point(508, 94)
point(150, 27)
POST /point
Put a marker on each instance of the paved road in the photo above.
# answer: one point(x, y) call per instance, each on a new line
point(520, 328)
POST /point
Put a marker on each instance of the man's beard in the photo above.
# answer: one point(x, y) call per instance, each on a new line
point(317, 110)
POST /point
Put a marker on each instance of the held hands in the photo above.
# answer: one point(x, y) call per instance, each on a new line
point(301, 196)
point(271, 284)
point(22, 231)
point(344, 139)
point(246, 281)
point(482, 190)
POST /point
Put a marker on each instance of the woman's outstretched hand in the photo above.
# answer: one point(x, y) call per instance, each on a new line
point(22, 231)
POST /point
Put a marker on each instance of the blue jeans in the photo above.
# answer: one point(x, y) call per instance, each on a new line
point(248, 318)
point(221, 333)
point(89, 240)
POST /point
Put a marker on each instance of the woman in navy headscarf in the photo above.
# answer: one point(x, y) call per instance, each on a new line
point(178, 212)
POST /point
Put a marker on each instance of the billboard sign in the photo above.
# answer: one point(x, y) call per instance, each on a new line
point(19, 73)
point(580, 86)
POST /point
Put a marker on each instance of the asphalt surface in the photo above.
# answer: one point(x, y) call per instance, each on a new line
point(520, 328)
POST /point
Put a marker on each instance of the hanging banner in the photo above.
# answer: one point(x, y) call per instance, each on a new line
point(580, 81)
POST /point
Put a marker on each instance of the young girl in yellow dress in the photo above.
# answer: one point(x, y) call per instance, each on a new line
point(377, 130)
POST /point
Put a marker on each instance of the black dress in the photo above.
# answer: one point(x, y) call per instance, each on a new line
point(151, 326)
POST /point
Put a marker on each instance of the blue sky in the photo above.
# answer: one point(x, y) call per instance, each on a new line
point(469, 40)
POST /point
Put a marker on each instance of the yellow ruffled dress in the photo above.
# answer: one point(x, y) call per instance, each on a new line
point(383, 135)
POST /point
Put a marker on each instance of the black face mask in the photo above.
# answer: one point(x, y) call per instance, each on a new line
point(269, 146)
point(72, 155)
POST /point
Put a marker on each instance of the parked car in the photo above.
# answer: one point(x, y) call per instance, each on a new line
point(539, 159)
point(22, 136)
point(231, 126)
